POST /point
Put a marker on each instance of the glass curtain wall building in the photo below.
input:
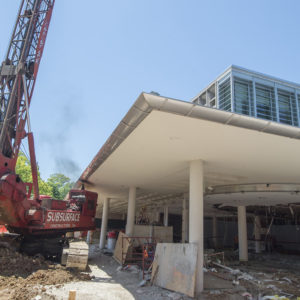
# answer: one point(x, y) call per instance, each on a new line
point(254, 94)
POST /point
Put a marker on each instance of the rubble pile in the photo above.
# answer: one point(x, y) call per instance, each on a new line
point(257, 280)
point(23, 277)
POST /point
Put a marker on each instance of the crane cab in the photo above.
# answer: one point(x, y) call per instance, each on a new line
point(83, 201)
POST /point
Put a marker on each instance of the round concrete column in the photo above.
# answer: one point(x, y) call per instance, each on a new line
point(184, 221)
point(242, 230)
point(166, 216)
point(104, 223)
point(196, 217)
point(214, 231)
point(131, 211)
point(88, 237)
point(257, 233)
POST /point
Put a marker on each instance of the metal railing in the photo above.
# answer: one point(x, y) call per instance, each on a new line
point(139, 251)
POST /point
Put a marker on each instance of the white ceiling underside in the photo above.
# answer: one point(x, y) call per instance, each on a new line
point(155, 158)
point(254, 198)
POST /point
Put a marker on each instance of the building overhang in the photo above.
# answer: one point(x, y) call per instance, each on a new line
point(154, 143)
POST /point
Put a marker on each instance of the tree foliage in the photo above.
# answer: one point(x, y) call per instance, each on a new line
point(23, 169)
point(56, 186)
point(60, 184)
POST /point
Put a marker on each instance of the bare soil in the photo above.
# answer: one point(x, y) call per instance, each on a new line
point(23, 277)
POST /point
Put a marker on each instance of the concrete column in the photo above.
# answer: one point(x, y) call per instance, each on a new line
point(104, 223)
point(242, 230)
point(89, 237)
point(187, 214)
point(215, 231)
point(184, 233)
point(166, 216)
point(196, 217)
point(131, 211)
point(257, 233)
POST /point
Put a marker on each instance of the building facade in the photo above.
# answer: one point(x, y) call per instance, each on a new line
point(254, 94)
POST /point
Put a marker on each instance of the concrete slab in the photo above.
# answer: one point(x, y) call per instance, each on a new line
point(212, 282)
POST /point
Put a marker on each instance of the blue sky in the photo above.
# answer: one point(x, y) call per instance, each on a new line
point(100, 55)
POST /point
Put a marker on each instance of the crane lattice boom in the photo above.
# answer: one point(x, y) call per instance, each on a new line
point(22, 60)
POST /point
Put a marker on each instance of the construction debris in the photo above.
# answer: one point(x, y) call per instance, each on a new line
point(263, 278)
point(269, 278)
point(143, 283)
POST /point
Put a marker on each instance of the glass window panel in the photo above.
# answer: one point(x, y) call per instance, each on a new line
point(243, 97)
point(265, 102)
point(287, 108)
point(225, 95)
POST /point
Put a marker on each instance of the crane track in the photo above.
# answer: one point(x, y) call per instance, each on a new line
point(50, 248)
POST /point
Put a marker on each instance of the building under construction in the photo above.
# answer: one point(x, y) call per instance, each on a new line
point(192, 199)
point(221, 171)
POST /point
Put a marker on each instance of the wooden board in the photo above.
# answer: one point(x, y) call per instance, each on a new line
point(78, 254)
point(79, 245)
point(118, 248)
point(174, 267)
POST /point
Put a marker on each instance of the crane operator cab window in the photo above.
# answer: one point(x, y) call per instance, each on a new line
point(83, 201)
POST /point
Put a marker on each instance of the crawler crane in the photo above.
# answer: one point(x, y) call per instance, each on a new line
point(42, 222)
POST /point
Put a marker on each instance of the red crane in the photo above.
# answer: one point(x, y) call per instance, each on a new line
point(39, 219)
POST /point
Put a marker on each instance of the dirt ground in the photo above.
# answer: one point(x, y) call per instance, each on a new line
point(25, 278)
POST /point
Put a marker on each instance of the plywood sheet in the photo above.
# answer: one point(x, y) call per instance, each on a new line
point(174, 267)
point(120, 252)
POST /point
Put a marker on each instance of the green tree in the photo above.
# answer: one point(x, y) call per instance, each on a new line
point(60, 184)
point(56, 186)
point(23, 169)
point(55, 192)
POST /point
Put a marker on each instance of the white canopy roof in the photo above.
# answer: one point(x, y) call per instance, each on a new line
point(152, 146)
